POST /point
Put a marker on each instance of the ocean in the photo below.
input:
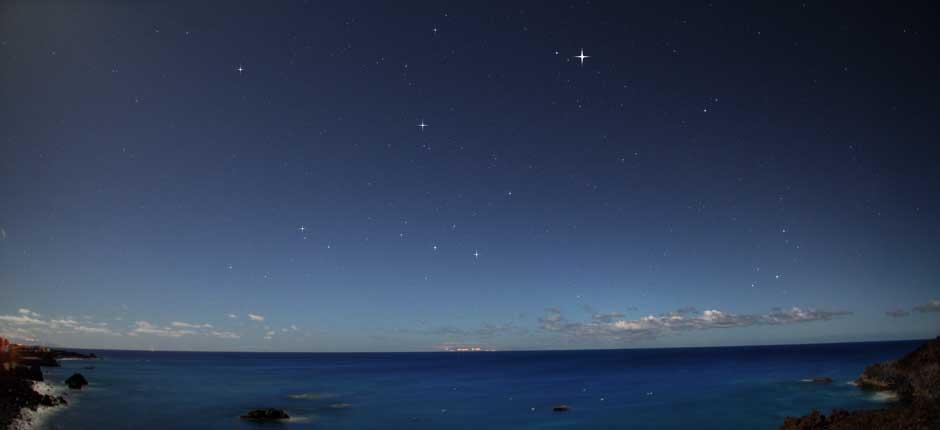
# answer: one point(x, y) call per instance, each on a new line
point(703, 388)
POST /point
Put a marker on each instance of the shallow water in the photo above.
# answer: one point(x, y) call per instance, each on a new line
point(704, 388)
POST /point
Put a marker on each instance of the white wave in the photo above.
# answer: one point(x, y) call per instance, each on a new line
point(884, 396)
point(30, 419)
point(312, 396)
point(296, 419)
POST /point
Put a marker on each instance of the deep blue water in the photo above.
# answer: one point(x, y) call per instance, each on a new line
point(702, 388)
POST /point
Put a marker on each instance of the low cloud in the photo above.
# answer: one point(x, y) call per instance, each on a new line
point(254, 317)
point(29, 313)
point(144, 327)
point(178, 329)
point(611, 327)
point(29, 324)
point(932, 305)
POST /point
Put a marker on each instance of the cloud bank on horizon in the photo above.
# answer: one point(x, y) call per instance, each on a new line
point(598, 330)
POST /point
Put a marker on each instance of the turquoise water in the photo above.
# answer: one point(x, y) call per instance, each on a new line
point(702, 388)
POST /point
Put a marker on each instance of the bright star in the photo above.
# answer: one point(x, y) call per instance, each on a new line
point(240, 68)
point(422, 125)
point(476, 254)
point(302, 229)
point(582, 56)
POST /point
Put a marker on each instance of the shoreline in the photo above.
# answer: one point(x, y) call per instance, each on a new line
point(911, 384)
point(26, 397)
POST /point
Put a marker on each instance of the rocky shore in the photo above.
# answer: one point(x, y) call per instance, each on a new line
point(20, 369)
point(915, 378)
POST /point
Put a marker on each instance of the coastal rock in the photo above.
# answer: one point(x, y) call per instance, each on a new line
point(915, 376)
point(560, 408)
point(17, 394)
point(269, 414)
point(76, 381)
point(31, 373)
point(916, 380)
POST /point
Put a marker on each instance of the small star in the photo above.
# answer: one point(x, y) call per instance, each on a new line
point(776, 276)
point(476, 254)
point(434, 30)
point(434, 247)
point(582, 56)
point(422, 125)
point(302, 229)
point(240, 68)
point(509, 194)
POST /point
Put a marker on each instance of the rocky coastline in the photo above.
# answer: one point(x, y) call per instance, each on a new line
point(20, 369)
point(915, 378)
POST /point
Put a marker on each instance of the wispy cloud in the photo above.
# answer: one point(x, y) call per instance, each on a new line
point(254, 317)
point(233, 316)
point(897, 313)
point(610, 327)
point(225, 334)
point(179, 324)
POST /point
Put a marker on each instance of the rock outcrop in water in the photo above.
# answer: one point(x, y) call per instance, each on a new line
point(266, 415)
point(76, 381)
point(916, 380)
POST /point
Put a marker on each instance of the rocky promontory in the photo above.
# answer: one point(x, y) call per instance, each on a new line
point(916, 380)
point(20, 369)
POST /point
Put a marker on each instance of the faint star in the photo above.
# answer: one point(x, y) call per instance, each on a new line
point(422, 125)
point(434, 247)
point(476, 254)
point(582, 56)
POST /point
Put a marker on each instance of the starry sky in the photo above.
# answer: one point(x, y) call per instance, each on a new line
point(322, 176)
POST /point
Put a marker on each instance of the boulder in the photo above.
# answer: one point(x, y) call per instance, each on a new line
point(269, 414)
point(76, 381)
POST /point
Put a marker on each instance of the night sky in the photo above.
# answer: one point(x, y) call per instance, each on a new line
point(311, 176)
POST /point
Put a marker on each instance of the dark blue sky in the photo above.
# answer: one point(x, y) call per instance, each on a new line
point(712, 174)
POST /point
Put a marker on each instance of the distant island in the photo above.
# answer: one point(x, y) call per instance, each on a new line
point(20, 368)
point(915, 379)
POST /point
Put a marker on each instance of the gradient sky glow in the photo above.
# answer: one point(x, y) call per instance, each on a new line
point(253, 176)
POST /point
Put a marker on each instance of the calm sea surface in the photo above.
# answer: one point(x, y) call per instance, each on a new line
point(701, 388)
